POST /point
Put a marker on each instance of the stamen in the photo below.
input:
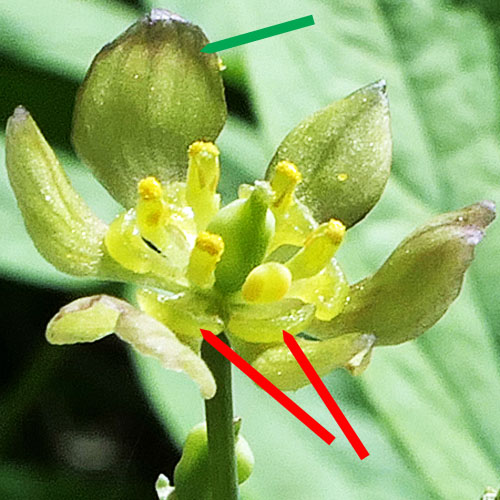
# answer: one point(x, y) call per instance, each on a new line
point(205, 255)
point(334, 230)
point(266, 283)
point(150, 188)
point(202, 180)
point(152, 211)
point(319, 248)
point(285, 180)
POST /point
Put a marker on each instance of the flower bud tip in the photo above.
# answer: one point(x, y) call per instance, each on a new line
point(163, 15)
point(472, 235)
point(489, 205)
point(381, 86)
point(20, 114)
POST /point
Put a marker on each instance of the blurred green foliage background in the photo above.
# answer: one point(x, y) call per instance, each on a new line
point(95, 421)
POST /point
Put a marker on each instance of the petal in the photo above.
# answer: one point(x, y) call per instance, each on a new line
point(147, 96)
point(281, 368)
point(62, 226)
point(91, 318)
point(184, 314)
point(344, 154)
point(266, 322)
point(418, 282)
point(327, 290)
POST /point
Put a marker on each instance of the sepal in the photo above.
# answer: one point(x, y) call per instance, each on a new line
point(61, 225)
point(147, 96)
point(92, 318)
point(184, 313)
point(265, 323)
point(344, 154)
point(279, 365)
point(417, 283)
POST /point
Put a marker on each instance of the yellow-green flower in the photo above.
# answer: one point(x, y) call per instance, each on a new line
point(146, 121)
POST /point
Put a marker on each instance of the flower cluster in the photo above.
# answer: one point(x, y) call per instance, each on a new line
point(146, 121)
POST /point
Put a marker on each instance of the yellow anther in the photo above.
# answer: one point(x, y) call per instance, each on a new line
point(342, 177)
point(334, 230)
point(150, 188)
point(319, 248)
point(210, 243)
point(152, 211)
point(268, 282)
point(285, 180)
point(205, 255)
point(202, 147)
point(202, 180)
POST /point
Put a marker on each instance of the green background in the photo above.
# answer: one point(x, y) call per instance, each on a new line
point(95, 421)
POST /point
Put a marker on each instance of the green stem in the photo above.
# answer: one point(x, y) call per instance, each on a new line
point(220, 430)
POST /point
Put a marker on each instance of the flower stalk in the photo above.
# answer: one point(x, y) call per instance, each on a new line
point(220, 428)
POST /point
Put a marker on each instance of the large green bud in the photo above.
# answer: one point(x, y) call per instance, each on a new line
point(246, 226)
point(147, 96)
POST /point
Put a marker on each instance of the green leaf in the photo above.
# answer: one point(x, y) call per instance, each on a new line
point(147, 96)
point(91, 318)
point(417, 283)
point(344, 155)
point(62, 37)
point(277, 438)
